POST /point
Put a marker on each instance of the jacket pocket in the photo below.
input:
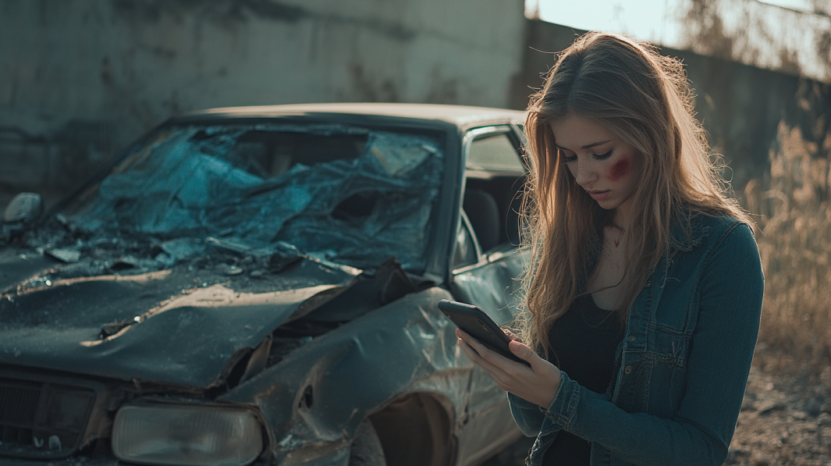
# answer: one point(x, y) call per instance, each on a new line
point(653, 381)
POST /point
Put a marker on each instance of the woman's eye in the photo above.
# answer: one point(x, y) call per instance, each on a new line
point(603, 156)
point(569, 159)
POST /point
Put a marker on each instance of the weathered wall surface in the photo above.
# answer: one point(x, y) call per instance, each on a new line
point(81, 78)
point(741, 106)
point(794, 41)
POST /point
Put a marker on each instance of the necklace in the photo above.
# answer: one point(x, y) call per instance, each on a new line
point(622, 232)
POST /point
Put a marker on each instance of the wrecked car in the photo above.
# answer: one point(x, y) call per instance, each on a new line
point(258, 285)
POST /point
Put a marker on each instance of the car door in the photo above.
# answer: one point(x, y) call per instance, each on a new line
point(486, 265)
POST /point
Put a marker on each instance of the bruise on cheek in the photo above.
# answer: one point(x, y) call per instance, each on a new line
point(619, 169)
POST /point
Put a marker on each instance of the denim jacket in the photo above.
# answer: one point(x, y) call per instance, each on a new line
point(681, 369)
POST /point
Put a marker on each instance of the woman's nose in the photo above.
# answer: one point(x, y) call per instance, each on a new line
point(585, 174)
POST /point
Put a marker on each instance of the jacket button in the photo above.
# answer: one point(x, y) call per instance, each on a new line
point(632, 338)
point(648, 284)
point(628, 370)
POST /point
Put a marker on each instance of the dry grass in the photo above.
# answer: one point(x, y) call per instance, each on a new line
point(794, 217)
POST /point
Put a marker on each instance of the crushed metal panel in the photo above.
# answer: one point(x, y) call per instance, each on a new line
point(191, 203)
point(478, 285)
point(492, 287)
point(183, 339)
point(18, 266)
point(354, 370)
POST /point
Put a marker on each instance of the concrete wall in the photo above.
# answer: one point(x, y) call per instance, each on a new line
point(81, 78)
point(741, 106)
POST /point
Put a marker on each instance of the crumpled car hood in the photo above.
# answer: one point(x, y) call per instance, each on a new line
point(170, 326)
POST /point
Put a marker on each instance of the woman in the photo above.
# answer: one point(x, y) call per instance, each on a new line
point(644, 298)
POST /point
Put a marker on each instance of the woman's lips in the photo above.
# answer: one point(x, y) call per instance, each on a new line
point(599, 195)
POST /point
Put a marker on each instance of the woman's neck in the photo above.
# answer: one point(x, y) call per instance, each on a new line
point(623, 214)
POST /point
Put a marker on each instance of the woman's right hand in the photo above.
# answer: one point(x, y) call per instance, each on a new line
point(511, 335)
point(537, 384)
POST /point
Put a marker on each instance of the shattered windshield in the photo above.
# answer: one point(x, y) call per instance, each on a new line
point(349, 195)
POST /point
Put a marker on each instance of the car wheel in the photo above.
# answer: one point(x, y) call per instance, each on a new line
point(366, 448)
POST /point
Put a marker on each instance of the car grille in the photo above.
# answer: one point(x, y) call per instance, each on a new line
point(42, 420)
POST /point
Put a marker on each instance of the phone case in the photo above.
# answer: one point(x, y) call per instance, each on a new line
point(479, 325)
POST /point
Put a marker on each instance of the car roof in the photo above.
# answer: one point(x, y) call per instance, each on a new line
point(457, 115)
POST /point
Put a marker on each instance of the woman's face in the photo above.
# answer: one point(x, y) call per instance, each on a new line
point(601, 162)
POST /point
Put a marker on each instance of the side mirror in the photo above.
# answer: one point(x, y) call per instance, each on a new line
point(23, 208)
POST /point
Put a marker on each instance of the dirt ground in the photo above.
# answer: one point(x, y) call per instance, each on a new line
point(785, 420)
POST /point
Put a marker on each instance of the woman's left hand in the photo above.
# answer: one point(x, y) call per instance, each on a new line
point(537, 384)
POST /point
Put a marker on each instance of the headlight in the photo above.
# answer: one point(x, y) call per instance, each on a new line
point(186, 435)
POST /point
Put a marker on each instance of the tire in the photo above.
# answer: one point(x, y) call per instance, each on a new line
point(366, 449)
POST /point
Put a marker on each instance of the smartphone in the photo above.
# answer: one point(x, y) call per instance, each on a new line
point(479, 325)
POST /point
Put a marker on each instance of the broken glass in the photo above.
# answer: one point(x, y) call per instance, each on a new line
point(348, 195)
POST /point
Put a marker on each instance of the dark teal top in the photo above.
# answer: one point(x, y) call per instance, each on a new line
point(583, 343)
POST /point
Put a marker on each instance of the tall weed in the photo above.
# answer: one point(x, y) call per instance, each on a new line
point(794, 217)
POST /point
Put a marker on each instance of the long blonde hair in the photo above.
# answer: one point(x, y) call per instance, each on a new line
point(645, 99)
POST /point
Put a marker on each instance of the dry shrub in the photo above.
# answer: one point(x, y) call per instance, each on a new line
point(794, 218)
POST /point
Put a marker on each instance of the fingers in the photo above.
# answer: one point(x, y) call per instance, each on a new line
point(522, 351)
point(477, 359)
point(510, 334)
point(537, 384)
point(474, 350)
point(485, 356)
point(504, 380)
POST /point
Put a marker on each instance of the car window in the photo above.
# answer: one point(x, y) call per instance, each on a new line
point(495, 178)
point(350, 195)
point(465, 249)
point(495, 153)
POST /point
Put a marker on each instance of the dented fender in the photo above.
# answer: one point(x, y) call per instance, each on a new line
point(315, 398)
